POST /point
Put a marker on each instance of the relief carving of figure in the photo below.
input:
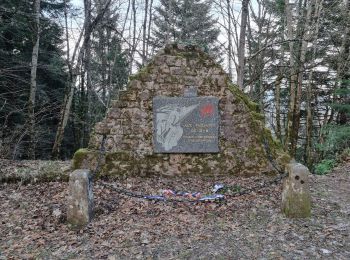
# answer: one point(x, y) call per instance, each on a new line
point(168, 119)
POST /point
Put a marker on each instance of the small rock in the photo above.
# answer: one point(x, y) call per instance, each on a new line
point(57, 213)
point(326, 251)
point(144, 238)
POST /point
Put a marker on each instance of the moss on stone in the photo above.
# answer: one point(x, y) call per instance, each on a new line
point(50, 171)
point(78, 156)
point(257, 116)
point(253, 152)
point(262, 133)
point(119, 163)
point(272, 142)
point(142, 73)
point(283, 158)
point(192, 52)
point(81, 156)
point(257, 123)
point(254, 107)
point(44, 171)
point(297, 205)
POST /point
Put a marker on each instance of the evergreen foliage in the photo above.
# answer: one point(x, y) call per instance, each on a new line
point(325, 166)
point(17, 37)
point(187, 21)
point(336, 136)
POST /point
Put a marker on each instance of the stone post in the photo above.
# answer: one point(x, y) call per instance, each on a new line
point(296, 200)
point(80, 198)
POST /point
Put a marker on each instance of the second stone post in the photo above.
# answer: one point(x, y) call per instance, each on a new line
point(80, 198)
point(296, 200)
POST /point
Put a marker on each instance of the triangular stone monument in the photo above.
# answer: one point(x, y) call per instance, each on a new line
point(181, 115)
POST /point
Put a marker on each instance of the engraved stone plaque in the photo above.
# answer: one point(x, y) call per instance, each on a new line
point(186, 124)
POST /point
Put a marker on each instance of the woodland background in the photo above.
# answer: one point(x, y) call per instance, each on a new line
point(62, 61)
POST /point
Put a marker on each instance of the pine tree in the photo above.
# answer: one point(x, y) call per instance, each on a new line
point(17, 38)
point(186, 21)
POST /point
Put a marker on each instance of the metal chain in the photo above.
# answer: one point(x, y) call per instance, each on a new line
point(100, 155)
point(128, 193)
point(152, 197)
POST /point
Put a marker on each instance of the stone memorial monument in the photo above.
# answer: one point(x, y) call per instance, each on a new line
point(181, 115)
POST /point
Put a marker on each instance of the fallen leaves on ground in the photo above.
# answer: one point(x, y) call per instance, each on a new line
point(33, 222)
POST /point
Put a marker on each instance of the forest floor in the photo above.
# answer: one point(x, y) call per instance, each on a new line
point(33, 222)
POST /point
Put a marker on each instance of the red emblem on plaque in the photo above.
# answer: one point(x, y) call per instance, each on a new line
point(207, 110)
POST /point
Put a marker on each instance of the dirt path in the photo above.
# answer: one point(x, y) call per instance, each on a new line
point(32, 223)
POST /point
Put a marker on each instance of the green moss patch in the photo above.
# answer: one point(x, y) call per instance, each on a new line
point(297, 205)
point(84, 159)
point(34, 171)
point(254, 107)
point(142, 74)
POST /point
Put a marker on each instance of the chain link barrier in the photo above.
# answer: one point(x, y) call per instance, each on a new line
point(218, 198)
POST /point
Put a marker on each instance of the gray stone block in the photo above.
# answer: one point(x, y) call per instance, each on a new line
point(296, 199)
point(80, 198)
point(191, 92)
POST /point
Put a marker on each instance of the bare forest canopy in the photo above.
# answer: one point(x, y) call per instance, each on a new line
point(62, 63)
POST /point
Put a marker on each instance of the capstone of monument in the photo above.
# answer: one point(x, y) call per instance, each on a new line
point(179, 115)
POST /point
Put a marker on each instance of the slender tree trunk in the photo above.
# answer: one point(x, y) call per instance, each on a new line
point(149, 26)
point(309, 92)
point(278, 106)
point(78, 117)
point(343, 62)
point(309, 125)
point(133, 47)
point(260, 59)
point(305, 38)
point(116, 56)
point(144, 38)
point(89, 91)
point(33, 82)
point(88, 28)
point(293, 78)
point(229, 35)
point(241, 46)
point(64, 118)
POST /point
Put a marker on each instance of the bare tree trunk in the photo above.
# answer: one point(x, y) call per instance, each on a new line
point(89, 91)
point(33, 83)
point(144, 38)
point(149, 26)
point(278, 107)
point(229, 36)
point(343, 62)
point(133, 47)
point(293, 77)
point(241, 46)
point(116, 56)
point(309, 92)
point(88, 28)
point(305, 38)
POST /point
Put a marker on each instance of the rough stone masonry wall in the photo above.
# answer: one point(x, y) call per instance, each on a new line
point(129, 127)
